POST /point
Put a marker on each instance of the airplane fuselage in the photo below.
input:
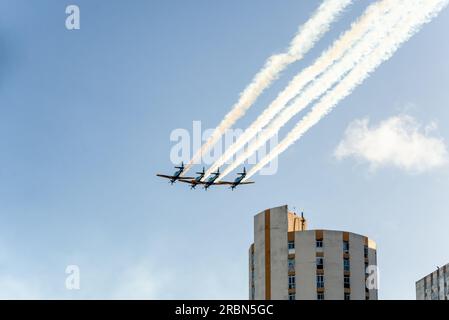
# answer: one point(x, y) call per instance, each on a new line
point(237, 181)
point(197, 181)
point(176, 175)
point(210, 181)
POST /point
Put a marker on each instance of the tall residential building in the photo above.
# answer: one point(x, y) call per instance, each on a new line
point(287, 261)
point(434, 286)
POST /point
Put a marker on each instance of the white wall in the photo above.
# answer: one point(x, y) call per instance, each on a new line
point(357, 265)
point(259, 255)
point(333, 265)
point(305, 265)
point(279, 253)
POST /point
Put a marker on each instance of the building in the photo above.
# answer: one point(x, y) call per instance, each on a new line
point(434, 286)
point(287, 261)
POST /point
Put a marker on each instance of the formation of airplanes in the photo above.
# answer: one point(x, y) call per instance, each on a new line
point(199, 180)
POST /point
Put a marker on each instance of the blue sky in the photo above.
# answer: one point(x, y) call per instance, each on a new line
point(85, 121)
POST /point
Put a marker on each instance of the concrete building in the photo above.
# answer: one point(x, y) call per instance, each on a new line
point(434, 286)
point(287, 261)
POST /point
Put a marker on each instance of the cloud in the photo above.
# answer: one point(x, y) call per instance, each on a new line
point(399, 141)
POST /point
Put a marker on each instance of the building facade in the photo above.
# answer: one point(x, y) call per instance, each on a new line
point(287, 261)
point(434, 286)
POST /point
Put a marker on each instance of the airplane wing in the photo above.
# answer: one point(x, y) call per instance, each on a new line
point(191, 181)
point(230, 183)
point(165, 176)
point(173, 177)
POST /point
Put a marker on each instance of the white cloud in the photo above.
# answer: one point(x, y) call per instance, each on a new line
point(399, 141)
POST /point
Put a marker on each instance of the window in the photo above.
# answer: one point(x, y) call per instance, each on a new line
point(365, 251)
point(319, 243)
point(346, 246)
point(346, 282)
point(291, 296)
point(346, 265)
point(291, 245)
point(320, 281)
point(291, 265)
point(291, 282)
point(320, 263)
point(320, 296)
point(347, 296)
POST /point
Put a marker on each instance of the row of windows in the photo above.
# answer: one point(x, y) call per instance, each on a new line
point(319, 281)
point(319, 244)
point(319, 296)
point(320, 264)
point(292, 281)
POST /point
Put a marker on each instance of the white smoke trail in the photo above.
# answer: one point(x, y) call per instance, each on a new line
point(363, 25)
point(304, 40)
point(421, 15)
point(335, 73)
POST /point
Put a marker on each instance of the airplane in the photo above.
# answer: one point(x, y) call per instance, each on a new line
point(211, 181)
point(196, 181)
point(239, 179)
point(176, 176)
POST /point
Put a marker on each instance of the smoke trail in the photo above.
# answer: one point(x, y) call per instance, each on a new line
point(304, 40)
point(335, 73)
point(421, 15)
point(358, 29)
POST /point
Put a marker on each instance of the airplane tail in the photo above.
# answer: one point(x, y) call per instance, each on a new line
point(202, 172)
point(181, 167)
